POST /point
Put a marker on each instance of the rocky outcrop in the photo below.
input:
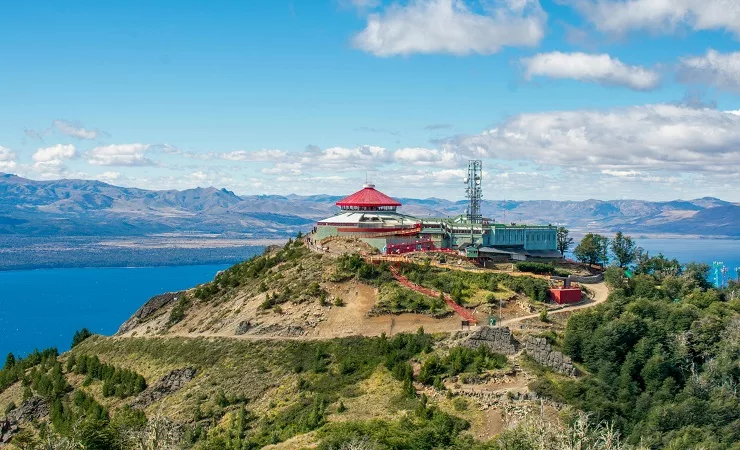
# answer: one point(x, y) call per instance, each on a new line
point(35, 408)
point(243, 327)
point(499, 340)
point(541, 351)
point(168, 384)
point(148, 309)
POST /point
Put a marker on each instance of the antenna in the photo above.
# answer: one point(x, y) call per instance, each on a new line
point(473, 191)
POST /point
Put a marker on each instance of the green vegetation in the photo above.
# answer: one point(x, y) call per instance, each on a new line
point(15, 368)
point(460, 360)
point(119, 382)
point(394, 299)
point(624, 249)
point(80, 335)
point(354, 266)
point(178, 311)
point(462, 285)
point(541, 269)
point(251, 270)
point(593, 249)
point(662, 356)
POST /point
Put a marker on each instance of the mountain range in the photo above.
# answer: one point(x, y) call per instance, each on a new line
point(93, 208)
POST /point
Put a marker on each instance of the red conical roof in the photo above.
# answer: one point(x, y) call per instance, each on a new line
point(368, 197)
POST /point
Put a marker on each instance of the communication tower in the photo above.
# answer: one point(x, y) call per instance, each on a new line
point(473, 191)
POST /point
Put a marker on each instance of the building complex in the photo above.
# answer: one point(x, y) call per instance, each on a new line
point(372, 217)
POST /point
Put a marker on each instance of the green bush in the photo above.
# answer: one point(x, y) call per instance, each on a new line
point(460, 360)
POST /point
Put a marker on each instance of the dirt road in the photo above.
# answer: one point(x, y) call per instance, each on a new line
point(601, 293)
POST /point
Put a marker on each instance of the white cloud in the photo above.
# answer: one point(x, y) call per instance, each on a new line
point(601, 68)
point(426, 157)
point(721, 70)
point(620, 16)
point(107, 176)
point(622, 173)
point(665, 138)
point(450, 26)
point(75, 129)
point(119, 155)
point(258, 155)
point(48, 162)
point(57, 152)
point(7, 159)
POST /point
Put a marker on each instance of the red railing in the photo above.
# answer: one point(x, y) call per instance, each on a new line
point(459, 309)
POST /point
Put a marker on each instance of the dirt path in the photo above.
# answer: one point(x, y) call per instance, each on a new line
point(601, 293)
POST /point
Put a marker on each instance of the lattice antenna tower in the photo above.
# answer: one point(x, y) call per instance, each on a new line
point(473, 191)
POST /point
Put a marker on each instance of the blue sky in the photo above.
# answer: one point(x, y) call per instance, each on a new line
point(562, 99)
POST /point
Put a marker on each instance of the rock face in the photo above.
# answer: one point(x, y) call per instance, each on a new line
point(168, 384)
point(35, 408)
point(541, 351)
point(499, 340)
point(152, 306)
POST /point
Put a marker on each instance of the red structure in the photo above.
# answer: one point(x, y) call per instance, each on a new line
point(565, 296)
point(418, 245)
point(368, 199)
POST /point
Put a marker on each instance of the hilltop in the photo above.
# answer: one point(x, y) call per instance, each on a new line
point(315, 347)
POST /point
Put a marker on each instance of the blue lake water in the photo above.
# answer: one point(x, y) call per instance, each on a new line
point(699, 250)
point(43, 308)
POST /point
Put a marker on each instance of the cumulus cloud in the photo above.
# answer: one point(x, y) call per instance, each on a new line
point(119, 155)
point(258, 155)
point(620, 16)
point(57, 152)
point(49, 161)
point(667, 138)
point(7, 159)
point(721, 70)
point(601, 68)
point(75, 129)
point(426, 157)
point(450, 26)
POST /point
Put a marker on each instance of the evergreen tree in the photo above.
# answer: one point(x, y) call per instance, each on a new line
point(80, 335)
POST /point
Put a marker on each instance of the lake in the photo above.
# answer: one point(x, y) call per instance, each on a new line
point(699, 250)
point(43, 308)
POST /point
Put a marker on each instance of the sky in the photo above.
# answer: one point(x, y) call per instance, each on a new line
point(560, 99)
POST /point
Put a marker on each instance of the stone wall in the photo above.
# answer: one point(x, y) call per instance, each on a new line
point(499, 340)
point(542, 352)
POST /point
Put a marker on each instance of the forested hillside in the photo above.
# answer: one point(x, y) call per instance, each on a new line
point(661, 357)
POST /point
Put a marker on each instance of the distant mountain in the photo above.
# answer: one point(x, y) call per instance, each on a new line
point(93, 208)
